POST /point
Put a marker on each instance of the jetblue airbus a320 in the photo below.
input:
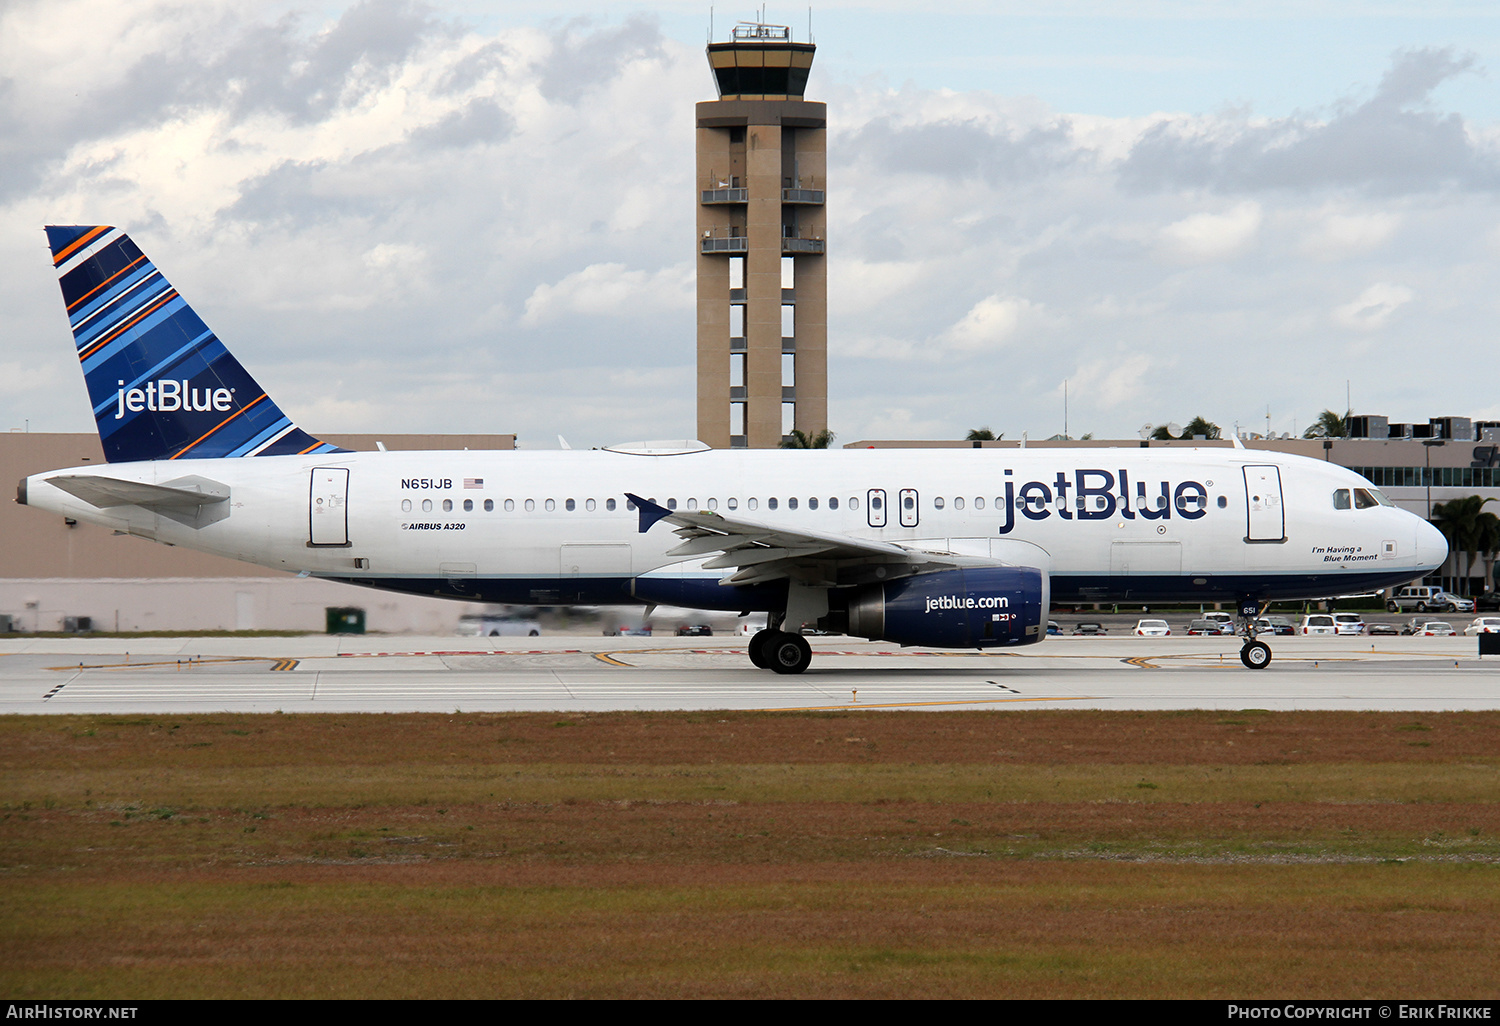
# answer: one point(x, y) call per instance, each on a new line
point(949, 548)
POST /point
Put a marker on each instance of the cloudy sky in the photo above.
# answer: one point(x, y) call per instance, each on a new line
point(479, 216)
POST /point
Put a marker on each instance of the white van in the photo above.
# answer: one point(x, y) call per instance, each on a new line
point(1319, 623)
point(1423, 597)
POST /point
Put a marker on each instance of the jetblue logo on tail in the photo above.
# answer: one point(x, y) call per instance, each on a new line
point(131, 327)
point(170, 396)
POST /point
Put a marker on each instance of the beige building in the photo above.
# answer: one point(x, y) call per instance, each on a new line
point(762, 272)
point(52, 570)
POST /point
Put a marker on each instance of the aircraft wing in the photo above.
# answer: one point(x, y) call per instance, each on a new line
point(760, 552)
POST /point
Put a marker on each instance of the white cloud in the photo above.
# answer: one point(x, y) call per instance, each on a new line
point(1111, 382)
point(1333, 236)
point(1209, 237)
point(987, 326)
point(1374, 306)
point(609, 290)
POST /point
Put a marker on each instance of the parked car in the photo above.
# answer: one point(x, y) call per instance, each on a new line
point(1382, 628)
point(1489, 602)
point(1091, 629)
point(695, 630)
point(1206, 627)
point(623, 631)
point(1437, 628)
point(1275, 625)
point(497, 626)
point(1223, 618)
point(1152, 628)
point(1053, 630)
point(1414, 625)
point(1319, 623)
point(1348, 623)
point(1484, 625)
point(1422, 598)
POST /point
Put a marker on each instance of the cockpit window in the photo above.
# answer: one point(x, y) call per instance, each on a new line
point(1363, 499)
point(1380, 497)
point(1341, 499)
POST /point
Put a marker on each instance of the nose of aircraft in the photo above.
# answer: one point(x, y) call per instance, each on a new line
point(1432, 547)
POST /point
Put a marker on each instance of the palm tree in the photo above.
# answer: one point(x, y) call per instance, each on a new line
point(799, 439)
point(1196, 426)
point(983, 434)
point(1329, 425)
point(1468, 529)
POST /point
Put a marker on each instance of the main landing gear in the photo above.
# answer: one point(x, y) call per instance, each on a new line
point(1254, 654)
point(775, 649)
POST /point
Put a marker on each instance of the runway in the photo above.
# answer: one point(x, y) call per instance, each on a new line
point(591, 673)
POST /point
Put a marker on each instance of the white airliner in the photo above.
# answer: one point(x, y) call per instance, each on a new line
point(950, 548)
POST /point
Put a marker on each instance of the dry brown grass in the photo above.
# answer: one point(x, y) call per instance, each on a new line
point(952, 854)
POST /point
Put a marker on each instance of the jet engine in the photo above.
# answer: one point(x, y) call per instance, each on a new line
point(982, 607)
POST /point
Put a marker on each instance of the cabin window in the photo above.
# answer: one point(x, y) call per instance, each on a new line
point(1223, 502)
point(489, 505)
point(791, 503)
point(609, 505)
point(751, 503)
point(588, 504)
point(770, 503)
point(692, 504)
point(978, 502)
point(550, 505)
point(468, 505)
point(812, 503)
point(958, 503)
point(570, 505)
point(1341, 499)
point(833, 502)
point(937, 503)
point(426, 505)
point(406, 505)
point(732, 503)
point(530, 505)
point(854, 502)
point(713, 503)
point(447, 505)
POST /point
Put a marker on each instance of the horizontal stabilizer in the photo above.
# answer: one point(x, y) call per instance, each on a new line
point(194, 501)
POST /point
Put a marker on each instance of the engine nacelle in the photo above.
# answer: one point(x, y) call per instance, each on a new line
point(984, 607)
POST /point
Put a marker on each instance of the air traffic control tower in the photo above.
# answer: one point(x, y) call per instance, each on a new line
point(762, 278)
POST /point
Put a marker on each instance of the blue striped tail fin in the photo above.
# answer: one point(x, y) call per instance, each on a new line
point(162, 385)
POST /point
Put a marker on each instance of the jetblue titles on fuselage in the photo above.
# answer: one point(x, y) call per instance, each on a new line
point(1035, 498)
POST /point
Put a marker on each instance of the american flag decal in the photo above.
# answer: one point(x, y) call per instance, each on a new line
point(473, 482)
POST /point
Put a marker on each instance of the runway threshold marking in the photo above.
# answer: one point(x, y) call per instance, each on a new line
point(284, 664)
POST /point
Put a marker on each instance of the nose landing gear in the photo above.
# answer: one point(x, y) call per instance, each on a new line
point(1256, 655)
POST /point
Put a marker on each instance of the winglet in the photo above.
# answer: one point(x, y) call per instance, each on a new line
point(650, 511)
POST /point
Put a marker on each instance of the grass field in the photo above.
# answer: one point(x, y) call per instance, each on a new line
point(987, 854)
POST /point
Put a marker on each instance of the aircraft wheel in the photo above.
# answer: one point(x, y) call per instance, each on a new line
point(757, 649)
point(1256, 655)
point(788, 653)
